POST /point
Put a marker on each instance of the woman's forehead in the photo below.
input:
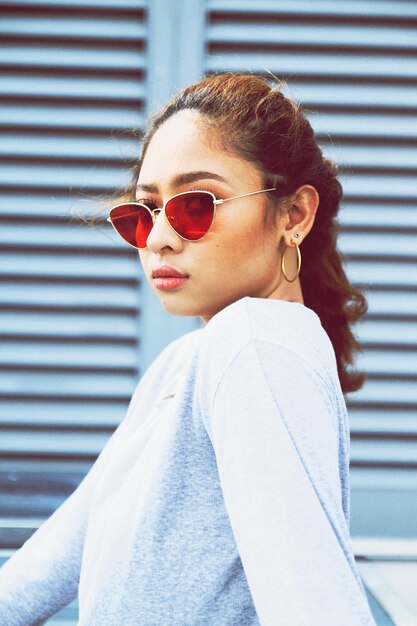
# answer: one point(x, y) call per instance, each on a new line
point(182, 145)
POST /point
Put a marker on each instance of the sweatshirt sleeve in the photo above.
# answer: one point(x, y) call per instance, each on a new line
point(275, 433)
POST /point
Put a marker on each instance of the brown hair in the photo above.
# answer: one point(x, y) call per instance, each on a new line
point(262, 126)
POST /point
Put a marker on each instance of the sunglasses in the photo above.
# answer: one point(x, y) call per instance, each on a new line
point(190, 215)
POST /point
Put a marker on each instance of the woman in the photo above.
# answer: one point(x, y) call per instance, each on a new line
point(223, 497)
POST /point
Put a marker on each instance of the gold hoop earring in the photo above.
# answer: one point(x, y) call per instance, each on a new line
point(298, 264)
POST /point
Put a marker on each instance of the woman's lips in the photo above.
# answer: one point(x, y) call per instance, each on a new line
point(167, 277)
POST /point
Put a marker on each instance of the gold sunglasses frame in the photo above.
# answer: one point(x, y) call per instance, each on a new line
point(155, 212)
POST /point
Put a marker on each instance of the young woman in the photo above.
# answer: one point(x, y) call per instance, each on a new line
point(223, 497)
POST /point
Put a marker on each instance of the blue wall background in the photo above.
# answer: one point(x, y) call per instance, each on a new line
point(77, 324)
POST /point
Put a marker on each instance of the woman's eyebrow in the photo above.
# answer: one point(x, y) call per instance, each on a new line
point(191, 177)
point(184, 179)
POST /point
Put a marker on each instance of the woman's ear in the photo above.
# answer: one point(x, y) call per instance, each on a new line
point(302, 209)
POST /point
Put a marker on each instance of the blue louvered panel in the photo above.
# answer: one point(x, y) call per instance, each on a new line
point(354, 67)
point(72, 82)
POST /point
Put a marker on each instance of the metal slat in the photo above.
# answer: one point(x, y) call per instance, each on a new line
point(388, 361)
point(304, 9)
point(17, 204)
point(89, 179)
point(58, 235)
point(324, 95)
point(295, 35)
point(66, 384)
point(52, 443)
point(97, 414)
point(394, 478)
point(392, 303)
point(321, 64)
point(392, 159)
point(401, 187)
point(361, 126)
point(79, 148)
point(86, 355)
point(383, 452)
point(72, 26)
point(379, 244)
point(57, 294)
point(62, 117)
point(84, 265)
point(388, 422)
point(73, 355)
point(86, 5)
point(75, 88)
point(55, 57)
point(43, 466)
point(35, 324)
point(389, 392)
point(361, 214)
point(384, 332)
point(383, 274)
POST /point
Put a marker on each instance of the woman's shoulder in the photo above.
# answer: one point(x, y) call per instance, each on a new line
point(264, 309)
point(269, 340)
point(288, 325)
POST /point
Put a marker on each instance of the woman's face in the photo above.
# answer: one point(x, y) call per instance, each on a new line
point(240, 256)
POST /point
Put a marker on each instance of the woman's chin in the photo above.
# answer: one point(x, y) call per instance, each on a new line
point(175, 306)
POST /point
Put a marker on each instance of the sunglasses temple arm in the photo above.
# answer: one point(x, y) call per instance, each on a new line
point(252, 193)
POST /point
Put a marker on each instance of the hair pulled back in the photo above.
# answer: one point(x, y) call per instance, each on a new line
point(262, 126)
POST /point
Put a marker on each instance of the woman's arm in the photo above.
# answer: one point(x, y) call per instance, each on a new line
point(275, 432)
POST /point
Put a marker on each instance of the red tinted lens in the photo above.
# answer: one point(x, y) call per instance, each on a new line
point(191, 214)
point(133, 222)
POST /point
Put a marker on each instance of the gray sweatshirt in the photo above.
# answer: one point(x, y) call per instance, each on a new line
point(221, 500)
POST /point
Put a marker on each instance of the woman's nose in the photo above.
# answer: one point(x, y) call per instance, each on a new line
point(162, 236)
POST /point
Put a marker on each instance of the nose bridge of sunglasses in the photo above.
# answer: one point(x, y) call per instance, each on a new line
point(155, 213)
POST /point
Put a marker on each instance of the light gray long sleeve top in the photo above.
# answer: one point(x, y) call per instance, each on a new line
point(221, 500)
